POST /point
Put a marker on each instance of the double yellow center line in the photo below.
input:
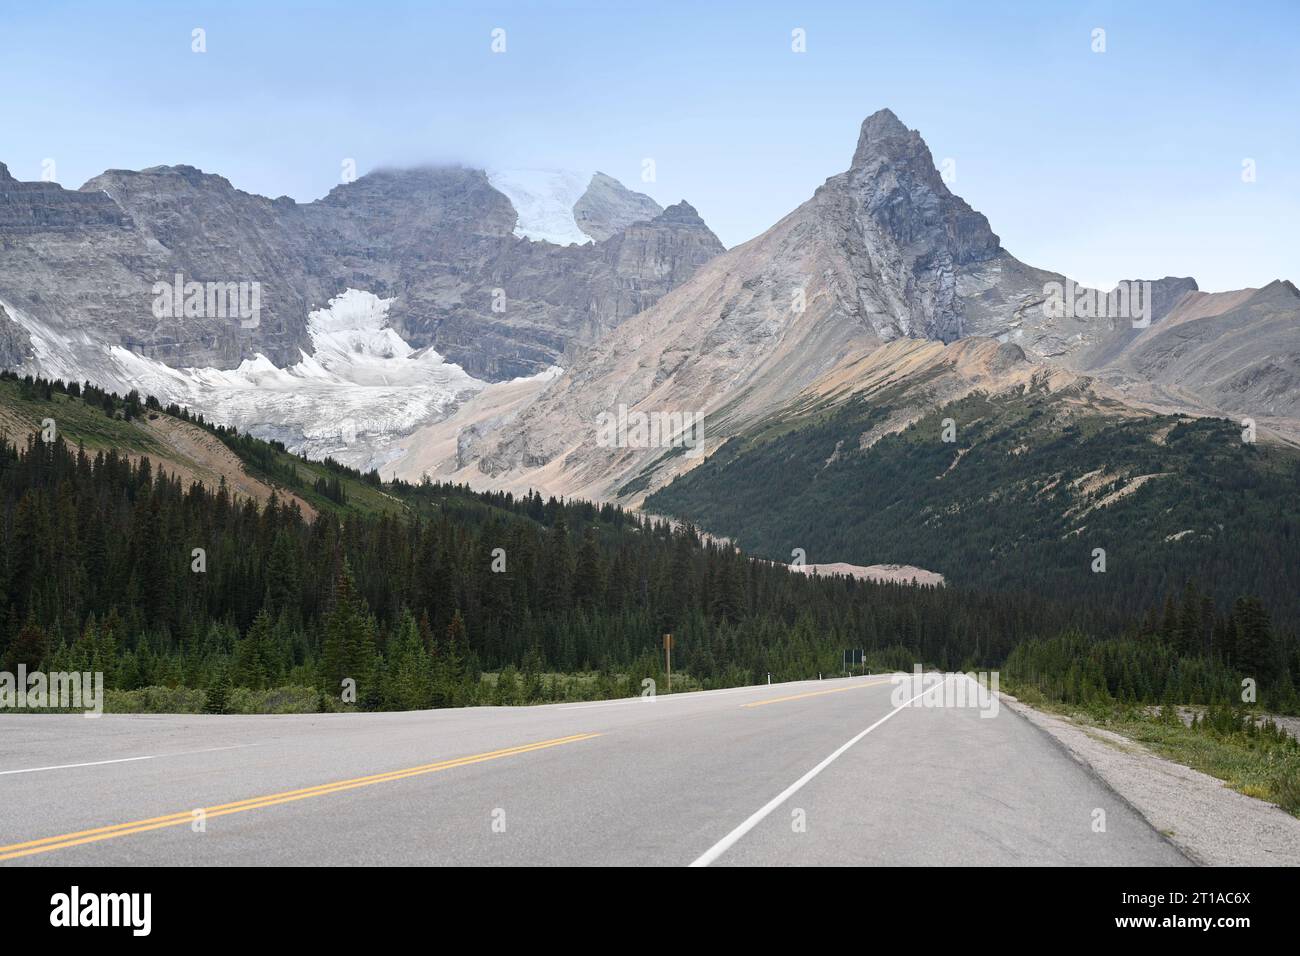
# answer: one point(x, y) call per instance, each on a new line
point(180, 818)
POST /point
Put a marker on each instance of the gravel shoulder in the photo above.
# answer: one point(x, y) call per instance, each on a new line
point(1208, 821)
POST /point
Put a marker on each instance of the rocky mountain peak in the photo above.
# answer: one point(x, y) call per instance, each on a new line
point(4, 174)
point(182, 170)
point(682, 213)
point(1165, 293)
point(189, 175)
point(906, 238)
point(883, 136)
point(899, 187)
point(1284, 286)
point(607, 207)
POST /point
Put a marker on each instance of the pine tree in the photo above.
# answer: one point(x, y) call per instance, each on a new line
point(588, 577)
point(1256, 650)
point(29, 649)
point(349, 649)
point(410, 670)
point(218, 697)
point(253, 653)
point(451, 690)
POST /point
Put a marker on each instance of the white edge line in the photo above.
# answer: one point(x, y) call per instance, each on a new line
point(728, 841)
point(100, 763)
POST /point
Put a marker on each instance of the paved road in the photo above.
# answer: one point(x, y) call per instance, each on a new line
point(819, 772)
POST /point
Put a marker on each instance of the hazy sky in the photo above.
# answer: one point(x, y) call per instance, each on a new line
point(1122, 164)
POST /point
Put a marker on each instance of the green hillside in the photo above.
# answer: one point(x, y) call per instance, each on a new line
point(1018, 502)
point(85, 415)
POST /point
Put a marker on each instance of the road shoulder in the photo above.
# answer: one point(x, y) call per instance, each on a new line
point(1208, 821)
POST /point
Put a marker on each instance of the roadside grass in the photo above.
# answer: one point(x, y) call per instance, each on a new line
point(188, 700)
point(515, 690)
point(554, 687)
point(1257, 764)
point(1245, 750)
point(292, 699)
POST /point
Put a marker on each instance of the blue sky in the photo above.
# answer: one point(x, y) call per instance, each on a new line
point(1122, 164)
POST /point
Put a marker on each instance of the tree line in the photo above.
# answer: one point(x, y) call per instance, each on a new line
point(109, 563)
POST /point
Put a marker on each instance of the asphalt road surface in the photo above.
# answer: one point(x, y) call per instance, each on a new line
point(818, 772)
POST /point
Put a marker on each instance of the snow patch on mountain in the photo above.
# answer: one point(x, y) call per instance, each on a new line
point(544, 201)
point(360, 391)
point(54, 353)
point(361, 388)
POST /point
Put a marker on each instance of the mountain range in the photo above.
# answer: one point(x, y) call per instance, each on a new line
point(480, 326)
point(437, 240)
point(883, 274)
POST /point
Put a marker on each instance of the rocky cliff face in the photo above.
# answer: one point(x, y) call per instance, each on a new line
point(198, 225)
point(881, 253)
point(80, 265)
point(15, 343)
point(75, 264)
point(905, 236)
point(1236, 352)
point(32, 208)
point(608, 207)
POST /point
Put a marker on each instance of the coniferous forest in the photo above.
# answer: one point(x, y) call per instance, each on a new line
point(188, 597)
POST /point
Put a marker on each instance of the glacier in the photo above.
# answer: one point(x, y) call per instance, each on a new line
point(355, 397)
point(544, 201)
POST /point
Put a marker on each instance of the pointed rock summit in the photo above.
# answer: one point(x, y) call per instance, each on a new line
point(607, 207)
point(682, 212)
point(895, 178)
point(883, 134)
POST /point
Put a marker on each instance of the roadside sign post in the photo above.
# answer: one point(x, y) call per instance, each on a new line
point(851, 656)
point(668, 659)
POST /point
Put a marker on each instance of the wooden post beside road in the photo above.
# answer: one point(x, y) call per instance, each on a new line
point(668, 658)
